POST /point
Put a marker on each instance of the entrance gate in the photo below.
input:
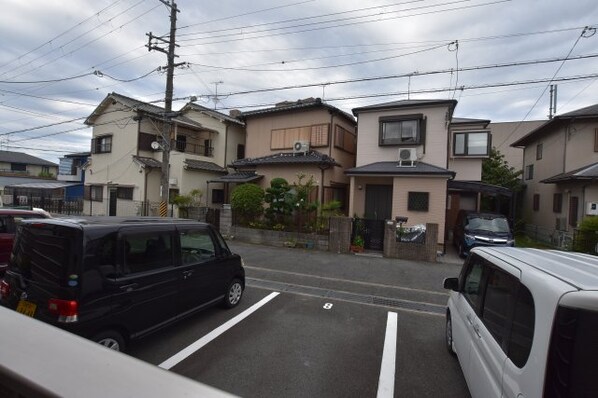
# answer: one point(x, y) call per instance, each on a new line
point(372, 232)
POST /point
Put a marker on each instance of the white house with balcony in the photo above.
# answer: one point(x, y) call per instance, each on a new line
point(124, 170)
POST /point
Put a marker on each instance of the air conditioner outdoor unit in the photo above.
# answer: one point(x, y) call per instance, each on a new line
point(407, 156)
point(300, 146)
point(592, 209)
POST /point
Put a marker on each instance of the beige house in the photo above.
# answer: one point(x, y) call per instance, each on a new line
point(24, 165)
point(415, 161)
point(505, 133)
point(308, 137)
point(123, 172)
point(560, 162)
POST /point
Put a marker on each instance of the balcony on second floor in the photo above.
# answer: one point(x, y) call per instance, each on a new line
point(196, 147)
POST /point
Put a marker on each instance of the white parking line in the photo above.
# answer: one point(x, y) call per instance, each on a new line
point(186, 352)
point(386, 383)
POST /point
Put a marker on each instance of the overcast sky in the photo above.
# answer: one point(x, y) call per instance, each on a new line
point(496, 58)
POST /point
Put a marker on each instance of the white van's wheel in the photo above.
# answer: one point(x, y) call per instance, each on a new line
point(449, 333)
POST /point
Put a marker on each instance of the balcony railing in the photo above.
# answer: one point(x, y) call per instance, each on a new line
point(197, 149)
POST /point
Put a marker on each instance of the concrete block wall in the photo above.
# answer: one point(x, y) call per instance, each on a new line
point(410, 251)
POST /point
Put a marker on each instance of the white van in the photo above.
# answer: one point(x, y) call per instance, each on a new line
point(524, 323)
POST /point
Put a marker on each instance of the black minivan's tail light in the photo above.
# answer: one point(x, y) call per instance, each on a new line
point(4, 289)
point(67, 310)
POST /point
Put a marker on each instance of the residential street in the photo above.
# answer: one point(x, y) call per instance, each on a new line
point(320, 324)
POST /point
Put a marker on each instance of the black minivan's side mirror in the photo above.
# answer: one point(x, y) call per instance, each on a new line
point(452, 284)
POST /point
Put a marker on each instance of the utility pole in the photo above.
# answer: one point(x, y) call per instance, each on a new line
point(167, 121)
point(216, 95)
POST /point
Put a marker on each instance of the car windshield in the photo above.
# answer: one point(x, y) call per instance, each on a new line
point(488, 223)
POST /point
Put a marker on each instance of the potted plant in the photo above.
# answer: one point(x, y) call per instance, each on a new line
point(358, 244)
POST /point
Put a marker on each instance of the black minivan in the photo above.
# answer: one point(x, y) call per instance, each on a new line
point(113, 279)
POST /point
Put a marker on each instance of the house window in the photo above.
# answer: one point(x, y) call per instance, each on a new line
point(208, 150)
point(124, 193)
point(401, 130)
point(595, 140)
point(529, 172)
point(557, 202)
point(536, 205)
point(539, 151)
point(94, 192)
point(344, 139)
point(101, 144)
point(471, 143)
point(144, 141)
point(18, 167)
point(240, 151)
point(181, 143)
point(418, 201)
point(217, 196)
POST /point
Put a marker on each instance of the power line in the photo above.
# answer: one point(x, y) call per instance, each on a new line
point(356, 23)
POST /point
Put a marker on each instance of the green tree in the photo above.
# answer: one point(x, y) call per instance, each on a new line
point(247, 201)
point(184, 202)
point(279, 197)
point(301, 201)
point(586, 239)
point(496, 171)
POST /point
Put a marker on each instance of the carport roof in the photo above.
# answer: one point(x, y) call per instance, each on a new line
point(393, 168)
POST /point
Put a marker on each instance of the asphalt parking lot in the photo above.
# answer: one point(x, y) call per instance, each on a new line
point(320, 324)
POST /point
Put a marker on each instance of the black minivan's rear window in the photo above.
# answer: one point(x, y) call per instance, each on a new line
point(45, 253)
point(572, 367)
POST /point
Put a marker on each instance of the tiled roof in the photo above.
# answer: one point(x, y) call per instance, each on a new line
point(212, 113)
point(286, 158)
point(587, 112)
point(193, 164)
point(140, 107)
point(240, 177)
point(589, 172)
point(148, 162)
point(393, 168)
point(297, 106)
point(405, 104)
point(19, 157)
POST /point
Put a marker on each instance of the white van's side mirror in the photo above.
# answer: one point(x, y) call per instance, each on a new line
point(452, 284)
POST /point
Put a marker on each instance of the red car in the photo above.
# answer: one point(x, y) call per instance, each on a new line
point(9, 218)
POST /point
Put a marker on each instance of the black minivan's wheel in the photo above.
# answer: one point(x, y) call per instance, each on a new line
point(449, 333)
point(110, 339)
point(233, 295)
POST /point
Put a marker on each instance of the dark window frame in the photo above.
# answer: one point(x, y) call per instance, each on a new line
point(539, 149)
point(419, 134)
point(18, 167)
point(418, 201)
point(529, 172)
point(536, 202)
point(101, 144)
point(217, 196)
point(125, 193)
point(466, 149)
point(557, 202)
point(94, 193)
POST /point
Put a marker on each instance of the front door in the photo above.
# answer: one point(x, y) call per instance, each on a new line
point(378, 202)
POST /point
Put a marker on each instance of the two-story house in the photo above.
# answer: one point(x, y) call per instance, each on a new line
point(307, 136)
point(560, 163)
point(409, 155)
point(24, 165)
point(124, 170)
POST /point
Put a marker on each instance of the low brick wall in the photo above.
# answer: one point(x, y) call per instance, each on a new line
point(278, 238)
point(411, 251)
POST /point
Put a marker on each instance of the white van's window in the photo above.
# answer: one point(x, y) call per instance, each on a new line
point(498, 304)
point(473, 286)
point(144, 252)
point(196, 246)
point(573, 355)
point(522, 331)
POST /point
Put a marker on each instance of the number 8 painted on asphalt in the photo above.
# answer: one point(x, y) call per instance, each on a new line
point(327, 306)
